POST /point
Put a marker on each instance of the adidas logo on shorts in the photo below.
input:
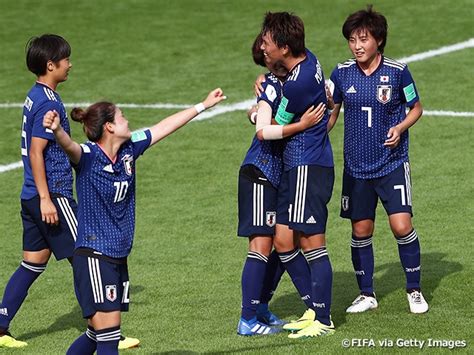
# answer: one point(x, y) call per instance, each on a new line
point(311, 220)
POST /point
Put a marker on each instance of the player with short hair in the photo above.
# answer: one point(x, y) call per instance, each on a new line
point(308, 177)
point(47, 205)
point(376, 91)
point(105, 182)
point(48, 209)
point(259, 178)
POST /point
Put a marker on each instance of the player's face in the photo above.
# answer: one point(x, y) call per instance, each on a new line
point(270, 50)
point(61, 69)
point(363, 46)
point(120, 123)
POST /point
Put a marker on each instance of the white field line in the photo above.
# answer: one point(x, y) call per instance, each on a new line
point(244, 105)
point(435, 52)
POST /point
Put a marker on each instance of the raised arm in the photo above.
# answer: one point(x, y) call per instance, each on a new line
point(172, 123)
point(71, 148)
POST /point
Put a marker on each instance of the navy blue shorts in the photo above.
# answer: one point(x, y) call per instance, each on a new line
point(257, 203)
point(303, 196)
point(360, 196)
point(38, 235)
point(101, 283)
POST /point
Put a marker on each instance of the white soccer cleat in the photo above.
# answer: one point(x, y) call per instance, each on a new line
point(417, 302)
point(362, 303)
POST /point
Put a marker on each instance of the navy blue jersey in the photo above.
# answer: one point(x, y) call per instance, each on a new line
point(305, 87)
point(106, 196)
point(372, 105)
point(41, 99)
point(267, 155)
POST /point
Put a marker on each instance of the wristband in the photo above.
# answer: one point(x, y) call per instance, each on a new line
point(199, 107)
point(253, 118)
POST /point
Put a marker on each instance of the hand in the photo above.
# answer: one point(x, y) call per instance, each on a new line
point(251, 111)
point(329, 97)
point(258, 88)
point(51, 120)
point(214, 97)
point(313, 115)
point(393, 137)
point(49, 214)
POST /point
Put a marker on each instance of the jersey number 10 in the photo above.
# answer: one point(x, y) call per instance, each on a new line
point(121, 188)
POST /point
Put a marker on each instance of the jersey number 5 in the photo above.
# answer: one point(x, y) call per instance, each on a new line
point(121, 188)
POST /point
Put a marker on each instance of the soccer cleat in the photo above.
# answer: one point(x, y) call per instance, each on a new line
point(306, 320)
point(417, 302)
point(128, 343)
point(362, 303)
point(254, 327)
point(316, 329)
point(7, 341)
point(270, 319)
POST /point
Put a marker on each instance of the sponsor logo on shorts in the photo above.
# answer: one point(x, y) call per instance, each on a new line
point(111, 292)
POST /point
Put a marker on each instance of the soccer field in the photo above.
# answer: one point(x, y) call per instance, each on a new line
point(186, 263)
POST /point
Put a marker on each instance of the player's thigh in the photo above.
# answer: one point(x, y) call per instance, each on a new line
point(34, 229)
point(100, 285)
point(103, 320)
point(359, 198)
point(394, 190)
point(310, 191)
point(257, 207)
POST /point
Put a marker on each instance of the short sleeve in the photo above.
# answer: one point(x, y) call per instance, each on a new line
point(409, 93)
point(38, 129)
point(294, 98)
point(269, 93)
point(141, 140)
point(87, 157)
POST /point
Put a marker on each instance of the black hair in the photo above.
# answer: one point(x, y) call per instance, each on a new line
point(94, 118)
point(48, 47)
point(286, 29)
point(373, 22)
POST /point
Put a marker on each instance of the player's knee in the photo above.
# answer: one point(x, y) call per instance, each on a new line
point(362, 230)
point(401, 228)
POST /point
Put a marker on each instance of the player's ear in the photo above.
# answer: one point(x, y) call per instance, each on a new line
point(109, 127)
point(50, 65)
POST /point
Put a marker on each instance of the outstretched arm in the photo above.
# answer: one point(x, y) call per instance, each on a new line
point(172, 123)
point(71, 148)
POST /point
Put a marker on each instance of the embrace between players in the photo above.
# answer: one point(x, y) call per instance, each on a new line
point(287, 176)
point(285, 182)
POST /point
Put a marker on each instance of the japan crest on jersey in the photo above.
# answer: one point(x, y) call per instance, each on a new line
point(128, 164)
point(111, 292)
point(384, 93)
point(271, 219)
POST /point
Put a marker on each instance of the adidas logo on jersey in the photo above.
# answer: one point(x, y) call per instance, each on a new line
point(108, 168)
point(311, 220)
point(351, 90)
point(4, 312)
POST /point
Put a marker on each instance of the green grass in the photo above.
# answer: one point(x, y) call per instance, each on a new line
point(186, 262)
